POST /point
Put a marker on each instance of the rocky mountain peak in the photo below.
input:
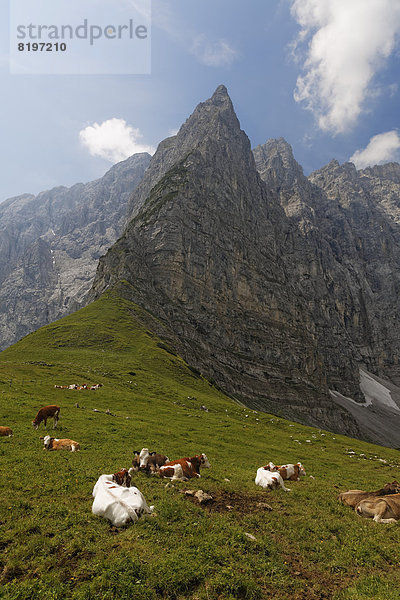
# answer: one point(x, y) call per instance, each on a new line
point(276, 164)
point(212, 132)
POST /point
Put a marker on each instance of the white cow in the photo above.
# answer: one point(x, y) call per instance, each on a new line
point(269, 479)
point(117, 503)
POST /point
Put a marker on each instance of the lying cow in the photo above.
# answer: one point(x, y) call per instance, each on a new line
point(5, 431)
point(184, 468)
point(46, 413)
point(122, 478)
point(135, 462)
point(56, 444)
point(269, 479)
point(385, 509)
point(151, 461)
point(353, 497)
point(117, 503)
point(288, 472)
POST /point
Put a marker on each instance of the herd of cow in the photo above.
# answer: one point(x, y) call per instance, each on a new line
point(118, 501)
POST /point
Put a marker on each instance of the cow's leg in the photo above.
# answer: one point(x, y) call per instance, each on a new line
point(55, 421)
point(283, 486)
point(386, 520)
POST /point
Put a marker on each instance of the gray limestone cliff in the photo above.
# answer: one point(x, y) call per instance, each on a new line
point(223, 272)
point(50, 246)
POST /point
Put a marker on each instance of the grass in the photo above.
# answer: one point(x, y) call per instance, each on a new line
point(52, 547)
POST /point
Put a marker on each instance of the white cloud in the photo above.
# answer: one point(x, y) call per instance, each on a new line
point(348, 42)
point(382, 148)
point(217, 53)
point(113, 140)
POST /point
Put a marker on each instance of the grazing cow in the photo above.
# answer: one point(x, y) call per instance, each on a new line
point(117, 503)
point(5, 431)
point(288, 472)
point(383, 509)
point(151, 461)
point(184, 468)
point(269, 479)
point(353, 497)
point(46, 413)
point(56, 444)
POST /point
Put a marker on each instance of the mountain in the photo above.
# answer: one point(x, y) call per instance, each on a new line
point(50, 245)
point(210, 252)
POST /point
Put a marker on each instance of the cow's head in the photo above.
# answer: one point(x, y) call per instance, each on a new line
point(144, 457)
point(392, 488)
point(302, 470)
point(47, 441)
point(122, 478)
point(35, 424)
point(270, 467)
point(136, 460)
point(204, 461)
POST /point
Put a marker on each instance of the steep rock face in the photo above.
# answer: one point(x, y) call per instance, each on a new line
point(50, 245)
point(364, 233)
point(209, 252)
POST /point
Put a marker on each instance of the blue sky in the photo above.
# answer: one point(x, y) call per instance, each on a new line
point(323, 74)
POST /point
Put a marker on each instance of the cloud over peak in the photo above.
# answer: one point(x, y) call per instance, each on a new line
point(348, 42)
point(114, 140)
point(381, 148)
point(218, 53)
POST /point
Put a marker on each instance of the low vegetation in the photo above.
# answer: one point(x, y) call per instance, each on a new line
point(52, 547)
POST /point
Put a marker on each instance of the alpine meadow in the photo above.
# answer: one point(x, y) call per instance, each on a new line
point(246, 542)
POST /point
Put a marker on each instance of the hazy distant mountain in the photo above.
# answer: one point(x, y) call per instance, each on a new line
point(50, 245)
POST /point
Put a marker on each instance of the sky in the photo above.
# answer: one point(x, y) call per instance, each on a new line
point(323, 74)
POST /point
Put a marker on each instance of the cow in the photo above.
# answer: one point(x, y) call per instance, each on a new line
point(117, 503)
point(56, 444)
point(122, 478)
point(383, 509)
point(96, 386)
point(5, 431)
point(353, 497)
point(151, 461)
point(135, 462)
point(46, 413)
point(288, 472)
point(185, 468)
point(269, 479)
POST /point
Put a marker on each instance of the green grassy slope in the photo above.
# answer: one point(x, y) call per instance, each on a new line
point(52, 547)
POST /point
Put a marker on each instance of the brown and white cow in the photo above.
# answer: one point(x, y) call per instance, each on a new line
point(46, 413)
point(151, 461)
point(185, 468)
point(56, 444)
point(135, 462)
point(96, 386)
point(5, 431)
point(353, 497)
point(269, 479)
point(384, 509)
point(288, 472)
point(122, 478)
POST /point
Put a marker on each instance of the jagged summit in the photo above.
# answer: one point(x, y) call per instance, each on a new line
point(276, 164)
point(212, 130)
